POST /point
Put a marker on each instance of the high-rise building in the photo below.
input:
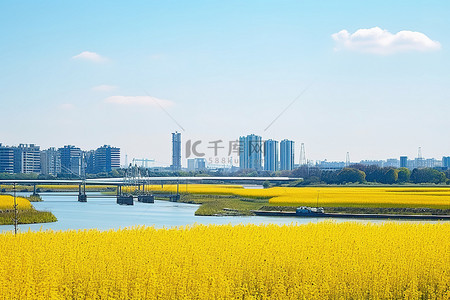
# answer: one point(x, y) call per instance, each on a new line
point(107, 158)
point(6, 159)
point(446, 162)
point(286, 155)
point(27, 159)
point(176, 151)
point(71, 160)
point(50, 162)
point(271, 155)
point(403, 161)
point(250, 152)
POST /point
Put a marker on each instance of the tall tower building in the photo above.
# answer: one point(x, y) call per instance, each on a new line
point(176, 151)
point(286, 155)
point(250, 152)
point(271, 155)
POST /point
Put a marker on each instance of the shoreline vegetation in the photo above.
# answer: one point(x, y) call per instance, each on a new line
point(27, 214)
point(226, 200)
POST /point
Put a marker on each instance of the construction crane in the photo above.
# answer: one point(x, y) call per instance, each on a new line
point(144, 162)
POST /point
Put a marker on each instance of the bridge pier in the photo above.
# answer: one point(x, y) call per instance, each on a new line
point(34, 190)
point(146, 198)
point(82, 197)
point(125, 200)
point(174, 198)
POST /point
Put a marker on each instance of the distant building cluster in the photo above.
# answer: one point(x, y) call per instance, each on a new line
point(403, 162)
point(196, 164)
point(29, 158)
point(277, 156)
point(254, 154)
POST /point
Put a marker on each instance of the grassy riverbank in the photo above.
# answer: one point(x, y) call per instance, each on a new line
point(27, 214)
point(223, 205)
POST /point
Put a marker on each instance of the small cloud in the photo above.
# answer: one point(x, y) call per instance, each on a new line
point(104, 88)
point(66, 106)
point(90, 56)
point(138, 101)
point(378, 41)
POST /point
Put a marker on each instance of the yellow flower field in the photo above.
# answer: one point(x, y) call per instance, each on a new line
point(328, 196)
point(7, 202)
point(314, 261)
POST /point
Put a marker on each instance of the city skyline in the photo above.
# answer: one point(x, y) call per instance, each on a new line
point(271, 156)
point(372, 77)
point(68, 160)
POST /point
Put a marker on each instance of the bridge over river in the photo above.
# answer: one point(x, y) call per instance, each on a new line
point(140, 182)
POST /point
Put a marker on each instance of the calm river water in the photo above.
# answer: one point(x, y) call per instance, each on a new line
point(104, 214)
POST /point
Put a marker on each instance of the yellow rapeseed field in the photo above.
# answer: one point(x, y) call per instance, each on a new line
point(7, 202)
point(328, 196)
point(315, 261)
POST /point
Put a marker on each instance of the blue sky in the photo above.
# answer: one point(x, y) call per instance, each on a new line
point(91, 73)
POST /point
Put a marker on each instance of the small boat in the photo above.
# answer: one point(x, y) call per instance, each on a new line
point(309, 211)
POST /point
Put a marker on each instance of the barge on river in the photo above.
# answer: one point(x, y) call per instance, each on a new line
point(318, 212)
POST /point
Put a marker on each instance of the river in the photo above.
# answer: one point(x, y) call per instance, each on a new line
point(105, 214)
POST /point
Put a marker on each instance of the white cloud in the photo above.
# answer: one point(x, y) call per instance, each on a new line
point(90, 56)
point(378, 41)
point(138, 101)
point(104, 88)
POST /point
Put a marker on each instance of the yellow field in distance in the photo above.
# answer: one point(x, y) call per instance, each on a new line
point(328, 196)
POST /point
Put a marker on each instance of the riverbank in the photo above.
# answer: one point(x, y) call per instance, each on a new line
point(274, 213)
point(220, 200)
point(223, 205)
point(27, 214)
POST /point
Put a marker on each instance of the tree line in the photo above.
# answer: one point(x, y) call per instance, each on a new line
point(370, 174)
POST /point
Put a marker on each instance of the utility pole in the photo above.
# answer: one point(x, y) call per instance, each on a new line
point(15, 211)
point(302, 155)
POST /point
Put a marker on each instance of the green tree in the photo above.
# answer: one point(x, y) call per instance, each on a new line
point(404, 175)
point(348, 175)
point(427, 175)
point(266, 184)
point(390, 176)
